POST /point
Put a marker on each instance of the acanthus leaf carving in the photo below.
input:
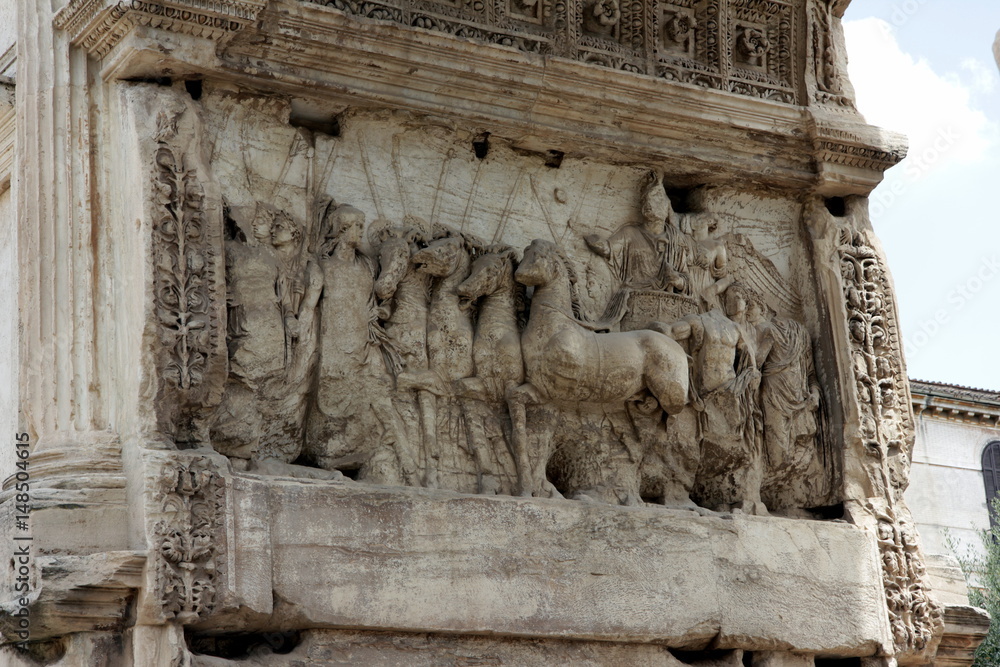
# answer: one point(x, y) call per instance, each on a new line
point(829, 83)
point(187, 544)
point(187, 278)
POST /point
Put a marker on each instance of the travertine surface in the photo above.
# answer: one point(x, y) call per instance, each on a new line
point(557, 330)
point(431, 562)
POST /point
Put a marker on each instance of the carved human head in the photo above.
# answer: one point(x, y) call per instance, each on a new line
point(284, 231)
point(346, 224)
point(736, 300)
point(701, 225)
point(755, 311)
point(263, 221)
point(656, 209)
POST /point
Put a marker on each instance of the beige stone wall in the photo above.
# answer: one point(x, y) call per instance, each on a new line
point(946, 492)
point(8, 331)
point(8, 26)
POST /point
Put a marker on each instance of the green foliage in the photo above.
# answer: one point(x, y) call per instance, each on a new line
point(982, 574)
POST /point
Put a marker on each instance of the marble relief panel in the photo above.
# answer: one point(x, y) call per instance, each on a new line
point(413, 303)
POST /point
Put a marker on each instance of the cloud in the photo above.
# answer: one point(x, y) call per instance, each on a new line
point(984, 77)
point(899, 92)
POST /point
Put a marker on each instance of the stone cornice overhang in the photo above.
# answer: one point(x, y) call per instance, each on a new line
point(539, 102)
point(944, 401)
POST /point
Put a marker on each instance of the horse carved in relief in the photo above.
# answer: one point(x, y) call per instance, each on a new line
point(496, 352)
point(567, 361)
point(449, 337)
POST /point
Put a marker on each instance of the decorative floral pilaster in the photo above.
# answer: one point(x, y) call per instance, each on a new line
point(187, 545)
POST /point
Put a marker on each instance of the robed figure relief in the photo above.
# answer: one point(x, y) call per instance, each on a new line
point(404, 352)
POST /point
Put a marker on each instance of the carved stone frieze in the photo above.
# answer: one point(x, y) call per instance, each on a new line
point(98, 25)
point(886, 431)
point(857, 156)
point(663, 358)
point(829, 80)
point(740, 46)
point(746, 47)
point(188, 279)
point(188, 546)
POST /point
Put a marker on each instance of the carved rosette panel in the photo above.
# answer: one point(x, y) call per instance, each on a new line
point(532, 26)
point(886, 431)
point(187, 545)
point(761, 36)
point(188, 286)
point(745, 47)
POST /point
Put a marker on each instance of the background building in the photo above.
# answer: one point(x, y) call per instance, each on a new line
point(956, 462)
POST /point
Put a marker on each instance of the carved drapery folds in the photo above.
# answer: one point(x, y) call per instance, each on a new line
point(188, 548)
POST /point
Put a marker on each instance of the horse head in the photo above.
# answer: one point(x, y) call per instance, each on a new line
point(540, 265)
point(491, 272)
point(545, 264)
point(394, 261)
point(442, 258)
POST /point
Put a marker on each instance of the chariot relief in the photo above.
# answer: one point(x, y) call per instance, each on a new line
point(425, 328)
point(420, 351)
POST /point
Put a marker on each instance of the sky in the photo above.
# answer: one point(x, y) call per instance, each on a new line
point(926, 68)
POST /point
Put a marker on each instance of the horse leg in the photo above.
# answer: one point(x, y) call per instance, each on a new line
point(428, 427)
point(517, 400)
point(666, 377)
point(386, 413)
point(487, 482)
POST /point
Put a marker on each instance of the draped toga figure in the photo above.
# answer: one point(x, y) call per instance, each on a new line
point(354, 425)
point(648, 255)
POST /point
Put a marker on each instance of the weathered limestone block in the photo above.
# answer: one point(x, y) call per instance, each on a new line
point(965, 628)
point(77, 495)
point(613, 258)
point(388, 650)
point(427, 561)
point(94, 649)
point(771, 659)
point(73, 593)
